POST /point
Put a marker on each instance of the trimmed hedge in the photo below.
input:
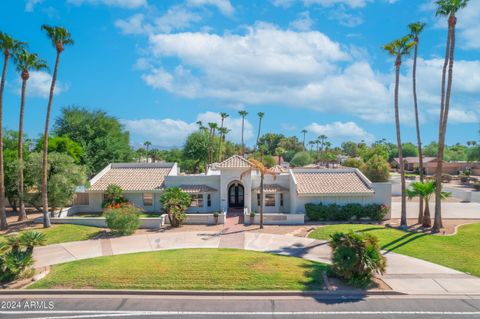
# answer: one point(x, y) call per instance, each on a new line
point(334, 212)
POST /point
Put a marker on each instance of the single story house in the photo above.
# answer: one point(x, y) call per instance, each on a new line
point(223, 188)
point(430, 165)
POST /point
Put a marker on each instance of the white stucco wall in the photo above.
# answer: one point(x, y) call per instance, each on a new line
point(232, 175)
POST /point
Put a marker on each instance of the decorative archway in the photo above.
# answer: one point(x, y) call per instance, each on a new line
point(236, 195)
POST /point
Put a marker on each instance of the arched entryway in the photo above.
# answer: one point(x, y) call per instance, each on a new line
point(236, 195)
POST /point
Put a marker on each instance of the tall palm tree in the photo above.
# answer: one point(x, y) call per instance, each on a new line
point(260, 117)
point(213, 127)
point(446, 8)
point(8, 45)
point(222, 131)
point(425, 190)
point(262, 170)
point(147, 145)
point(311, 143)
point(223, 116)
point(243, 114)
point(415, 29)
point(399, 48)
point(25, 62)
point(60, 37)
point(304, 132)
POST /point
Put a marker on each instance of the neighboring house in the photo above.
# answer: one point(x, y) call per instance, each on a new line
point(430, 165)
point(222, 187)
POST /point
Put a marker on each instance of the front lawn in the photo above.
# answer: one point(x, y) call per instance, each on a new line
point(460, 251)
point(65, 233)
point(188, 269)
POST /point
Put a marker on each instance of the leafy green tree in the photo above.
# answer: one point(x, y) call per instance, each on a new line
point(431, 149)
point(301, 159)
point(366, 153)
point(350, 149)
point(270, 141)
point(377, 169)
point(175, 203)
point(63, 178)
point(409, 150)
point(354, 162)
point(473, 153)
point(101, 136)
point(196, 151)
point(268, 161)
point(63, 145)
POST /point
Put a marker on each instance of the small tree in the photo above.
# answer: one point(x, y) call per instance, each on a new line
point(174, 203)
point(354, 162)
point(377, 169)
point(425, 191)
point(301, 159)
point(356, 258)
point(113, 197)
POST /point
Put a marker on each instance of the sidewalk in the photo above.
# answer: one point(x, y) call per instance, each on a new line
point(404, 274)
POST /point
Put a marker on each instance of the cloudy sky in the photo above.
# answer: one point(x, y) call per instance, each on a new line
point(160, 66)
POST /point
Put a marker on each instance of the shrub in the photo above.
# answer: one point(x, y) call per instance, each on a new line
point(476, 186)
point(216, 214)
point(113, 197)
point(16, 255)
point(252, 214)
point(333, 212)
point(356, 258)
point(123, 220)
point(175, 202)
point(354, 162)
point(446, 178)
point(377, 169)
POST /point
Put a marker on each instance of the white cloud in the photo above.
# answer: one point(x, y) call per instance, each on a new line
point(345, 18)
point(132, 25)
point(459, 115)
point(341, 131)
point(329, 3)
point(303, 23)
point(128, 4)
point(282, 3)
point(176, 18)
point(39, 85)
point(224, 6)
point(170, 132)
point(30, 5)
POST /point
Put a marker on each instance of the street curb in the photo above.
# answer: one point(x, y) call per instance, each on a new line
point(350, 293)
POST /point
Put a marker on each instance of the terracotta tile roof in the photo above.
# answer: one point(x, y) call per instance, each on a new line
point(278, 169)
point(235, 161)
point(414, 159)
point(271, 188)
point(133, 177)
point(192, 189)
point(331, 182)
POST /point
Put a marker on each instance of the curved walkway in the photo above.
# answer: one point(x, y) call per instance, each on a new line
point(404, 274)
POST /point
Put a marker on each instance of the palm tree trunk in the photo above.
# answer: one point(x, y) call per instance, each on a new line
point(427, 220)
point(22, 215)
point(445, 104)
point(258, 134)
point(403, 220)
point(3, 215)
point(419, 140)
point(243, 145)
point(46, 216)
point(261, 201)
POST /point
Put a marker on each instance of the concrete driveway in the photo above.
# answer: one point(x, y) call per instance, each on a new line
point(404, 274)
point(450, 210)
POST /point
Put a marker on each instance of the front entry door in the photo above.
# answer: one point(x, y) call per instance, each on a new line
point(235, 196)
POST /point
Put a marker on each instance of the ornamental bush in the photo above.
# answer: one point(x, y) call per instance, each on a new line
point(123, 220)
point(175, 203)
point(334, 212)
point(356, 257)
point(377, 169)
point(113, 197)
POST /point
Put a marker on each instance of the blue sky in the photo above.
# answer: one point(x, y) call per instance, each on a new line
point(159, 66)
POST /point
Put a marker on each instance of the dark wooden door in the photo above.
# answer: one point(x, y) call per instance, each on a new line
point(236, 196)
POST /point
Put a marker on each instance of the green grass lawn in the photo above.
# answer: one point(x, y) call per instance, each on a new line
point(65, 233)
point(188, 269)
point(461, 251)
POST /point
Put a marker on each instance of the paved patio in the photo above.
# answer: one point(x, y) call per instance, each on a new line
point(404, 274)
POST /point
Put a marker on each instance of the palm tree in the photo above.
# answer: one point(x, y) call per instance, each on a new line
point(262, 170)
point(223, 116)
point(213, 127)
point(25, 62)
point(260, 117)
point(147, 145)
point(415, 29)
point(311, 143)
point(446, 8)
point(60, 37)
point(279, 151)
point(223, 131)
point(243, 114)
point(8, 45)
point(425, 190)
point(304, 132)
point(399, 48)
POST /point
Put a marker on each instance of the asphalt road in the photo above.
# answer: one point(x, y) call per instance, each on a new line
point(391, 307)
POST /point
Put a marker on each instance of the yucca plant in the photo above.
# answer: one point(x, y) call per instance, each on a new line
point(32, 238)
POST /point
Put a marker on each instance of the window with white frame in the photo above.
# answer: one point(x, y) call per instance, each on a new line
point(82, 199)
point(197, 200)
point(147, 199)
point(270, 200)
